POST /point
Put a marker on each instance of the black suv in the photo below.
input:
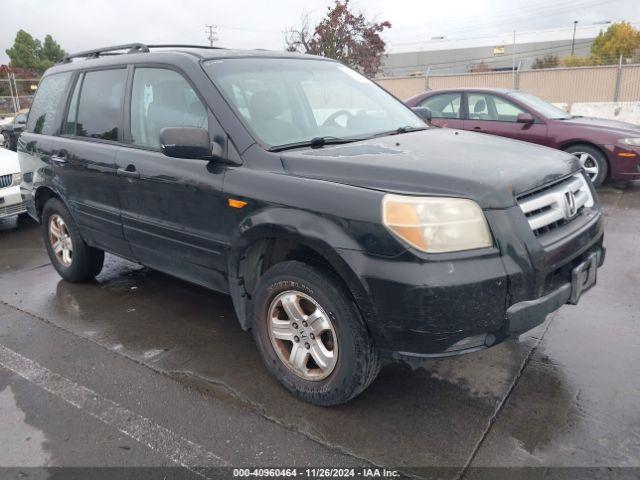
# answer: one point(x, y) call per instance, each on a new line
point(343, 227)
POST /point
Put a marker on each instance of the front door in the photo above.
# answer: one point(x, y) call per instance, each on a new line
point(493, 114)
point(84, 157)
point(173, 210)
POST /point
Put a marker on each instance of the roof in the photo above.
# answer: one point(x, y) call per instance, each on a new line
point(474, 89)
point(122, 54)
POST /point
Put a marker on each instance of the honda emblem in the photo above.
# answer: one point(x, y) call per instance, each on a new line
point(570, 205)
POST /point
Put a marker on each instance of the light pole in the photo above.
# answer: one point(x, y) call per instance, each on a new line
point(573, 41)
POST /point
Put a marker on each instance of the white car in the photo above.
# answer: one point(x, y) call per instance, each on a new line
point(11, 202)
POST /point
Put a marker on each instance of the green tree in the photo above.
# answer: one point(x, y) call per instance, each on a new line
point(29, 52)
point(25, 52)
point(619, 39)
point(342, 35)
point(51, 50)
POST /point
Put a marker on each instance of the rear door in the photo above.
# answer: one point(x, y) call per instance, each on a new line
point(494, 114)
point(173, 210)
point(84, 157)
point(446, 109)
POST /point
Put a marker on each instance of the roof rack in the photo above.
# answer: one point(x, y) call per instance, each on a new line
point(130, 48)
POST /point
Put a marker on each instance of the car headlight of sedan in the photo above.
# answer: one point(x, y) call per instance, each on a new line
point(436, 224)
point(634, 142)
point(16, 179)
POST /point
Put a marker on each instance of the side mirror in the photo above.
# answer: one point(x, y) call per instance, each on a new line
point(423, 112)
point(21, 119)
point(189, 142)
point(525, 118)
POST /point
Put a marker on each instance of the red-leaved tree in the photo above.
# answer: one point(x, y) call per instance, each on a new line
point(342, 35)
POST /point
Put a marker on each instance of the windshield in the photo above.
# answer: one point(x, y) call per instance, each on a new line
point(542, 107)
point(288, 101)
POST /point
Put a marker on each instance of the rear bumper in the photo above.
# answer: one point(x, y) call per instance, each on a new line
point(11, 203)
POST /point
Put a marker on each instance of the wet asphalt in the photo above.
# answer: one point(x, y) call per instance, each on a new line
point(566, 394)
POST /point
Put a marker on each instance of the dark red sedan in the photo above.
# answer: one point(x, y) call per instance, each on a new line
point(606, 148)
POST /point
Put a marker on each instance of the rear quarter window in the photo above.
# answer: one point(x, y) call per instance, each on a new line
point(47, 107)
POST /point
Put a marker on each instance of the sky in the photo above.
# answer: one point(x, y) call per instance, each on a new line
point(85, 24)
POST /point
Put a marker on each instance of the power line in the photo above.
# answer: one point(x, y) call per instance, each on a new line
point(544, 10)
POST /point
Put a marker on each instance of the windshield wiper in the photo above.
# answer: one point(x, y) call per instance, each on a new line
point(315, 142)
point(400, 130)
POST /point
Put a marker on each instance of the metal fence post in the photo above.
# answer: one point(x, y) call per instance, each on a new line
point(13, 98)
point(15, 89)
point(616, 95)
point(516, 78)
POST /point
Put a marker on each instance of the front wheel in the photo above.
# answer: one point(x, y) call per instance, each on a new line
point(592, 161)
point(74, 260)
point(311, 336)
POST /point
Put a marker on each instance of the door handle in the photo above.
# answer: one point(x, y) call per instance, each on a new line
point(129, 172)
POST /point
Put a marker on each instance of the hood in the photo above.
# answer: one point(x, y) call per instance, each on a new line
point(8, 162)
point(488, 169)
point(614, 125)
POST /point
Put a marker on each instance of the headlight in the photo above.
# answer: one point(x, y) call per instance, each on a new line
point(436, 224)
point(634, 142)
point(16, 180)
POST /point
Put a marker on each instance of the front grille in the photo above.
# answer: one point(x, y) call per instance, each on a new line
point(5, 180)
point(12, 209)
point(557, 204)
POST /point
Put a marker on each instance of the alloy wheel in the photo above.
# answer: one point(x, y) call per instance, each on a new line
point(60, 240)
point(589, 164)
point(302, 335)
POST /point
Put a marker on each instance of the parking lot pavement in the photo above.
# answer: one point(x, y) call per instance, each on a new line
point(173, 354)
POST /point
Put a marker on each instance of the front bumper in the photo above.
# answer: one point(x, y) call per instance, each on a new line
point(11, 203)
point(624, 161)
point(432, 306)
point(528, 314)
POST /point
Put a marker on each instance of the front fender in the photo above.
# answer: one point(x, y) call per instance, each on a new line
point(321, 234)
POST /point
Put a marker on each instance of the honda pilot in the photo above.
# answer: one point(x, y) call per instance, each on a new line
point(344, 228)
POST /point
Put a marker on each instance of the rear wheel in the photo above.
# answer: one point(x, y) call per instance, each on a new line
point(311, 336)
point(593, 161)
point(74, 260)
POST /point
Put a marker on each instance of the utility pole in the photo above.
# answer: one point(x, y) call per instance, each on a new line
point(212, 31)
point(573, 42)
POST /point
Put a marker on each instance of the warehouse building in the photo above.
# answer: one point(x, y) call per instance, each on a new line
point(490, 53)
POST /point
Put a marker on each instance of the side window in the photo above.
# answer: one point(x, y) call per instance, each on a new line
point(506, 111)
point(478, 107)
point(491, 107)
point(446, 105)
point(46, 112)
point(99, 105)
point(162, 98)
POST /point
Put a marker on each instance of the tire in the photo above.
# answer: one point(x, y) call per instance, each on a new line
point(593, 161)
point(356, 361)
point(83, 262)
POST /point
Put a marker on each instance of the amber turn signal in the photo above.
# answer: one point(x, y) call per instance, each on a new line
point(234, 203)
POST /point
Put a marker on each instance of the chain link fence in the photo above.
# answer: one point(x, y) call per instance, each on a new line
point(16, 94)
